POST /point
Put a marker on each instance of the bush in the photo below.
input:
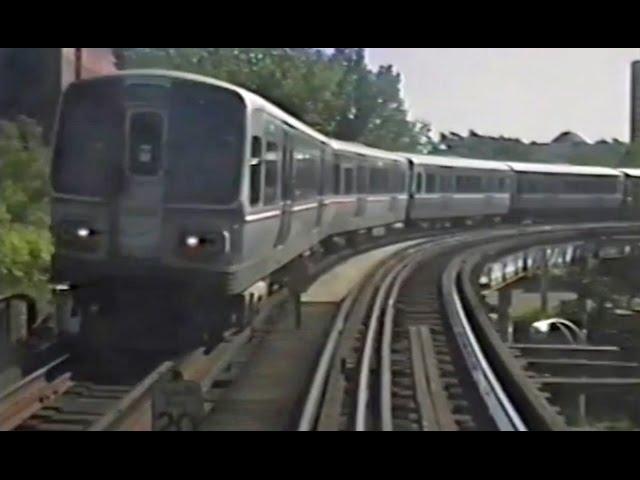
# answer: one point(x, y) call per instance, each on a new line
point(25, 242)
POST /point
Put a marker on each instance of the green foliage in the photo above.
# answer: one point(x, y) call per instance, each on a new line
point(336, 93)
point(632, 156)
point(25, 241)
point(611, 154)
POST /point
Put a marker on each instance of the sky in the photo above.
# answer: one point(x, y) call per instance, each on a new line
point(531, 93)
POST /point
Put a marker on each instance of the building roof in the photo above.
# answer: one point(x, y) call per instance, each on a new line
point(569, 137)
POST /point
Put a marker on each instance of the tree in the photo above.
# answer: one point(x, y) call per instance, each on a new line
point(631, 158)
point(25, 242)
point(336, 93)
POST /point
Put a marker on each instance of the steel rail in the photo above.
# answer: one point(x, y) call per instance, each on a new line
point(502, 408)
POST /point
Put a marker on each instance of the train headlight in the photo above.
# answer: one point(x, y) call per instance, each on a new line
point(204, 245)
point(83, 232)
point(77, 236)
point(192, 241)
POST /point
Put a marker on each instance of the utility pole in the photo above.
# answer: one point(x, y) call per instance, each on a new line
point(635, 102)
point(78, 63)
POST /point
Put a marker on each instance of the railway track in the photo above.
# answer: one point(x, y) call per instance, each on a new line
point(411, 350)
point(54, 401)
point(407, 352)
point(50, 400)
point(395, 364)
point(537, 376)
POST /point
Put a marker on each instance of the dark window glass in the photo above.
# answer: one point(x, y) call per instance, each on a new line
point(379, 179)
point(256, 183)
point(469, 184)
point(528, 184)
point(204, 144)
point(307, 158)
point(270, 182)
point(256, 148)
point(146, 132)
point(337, 177)
point(490, 184)
point(349, 184)
point(271, 169)
point(402, 179)
point(419, 183)
point(430, 183)
point(397, 179)
point(89, 147)
point(502, 185)
point(147, 94)
point(363, 179)
point(446, 184)
point(255, 169)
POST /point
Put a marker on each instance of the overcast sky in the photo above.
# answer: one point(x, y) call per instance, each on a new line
point(532, 93)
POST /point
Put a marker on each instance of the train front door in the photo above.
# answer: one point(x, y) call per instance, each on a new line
point(140, 199)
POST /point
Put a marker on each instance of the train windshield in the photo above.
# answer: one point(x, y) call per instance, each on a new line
point(200, 161)
point(90, 139)
point(204, 144)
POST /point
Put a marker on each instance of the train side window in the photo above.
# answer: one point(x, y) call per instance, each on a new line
point(403, 180)
point(349, 184)
point(489, 184)
point(446, 184)
point(502, 185)
point(396, 178)
point(379, 179)
point(430, 183)
point(146, 133)
point(419, 183)
point(476, 185)
point(271, 170)
point(337, 178)
point(363, 178)
point(256, 171)
point(307, 159)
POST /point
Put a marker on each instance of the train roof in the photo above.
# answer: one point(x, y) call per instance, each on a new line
point(456, 162)
point(566, 169)
point(359, 149)
point(631, 172)
point(251, 99)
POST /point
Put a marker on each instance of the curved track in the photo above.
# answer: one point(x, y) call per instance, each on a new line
point(409, 350)
point(412, 348)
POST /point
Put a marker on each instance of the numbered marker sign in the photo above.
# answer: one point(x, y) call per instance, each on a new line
point(178, 405)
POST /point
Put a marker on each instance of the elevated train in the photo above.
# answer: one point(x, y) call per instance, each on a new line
point(179, 197)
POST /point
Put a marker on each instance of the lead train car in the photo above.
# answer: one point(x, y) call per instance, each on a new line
point(197, 190)
point(181, 173)
point(182, 185)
